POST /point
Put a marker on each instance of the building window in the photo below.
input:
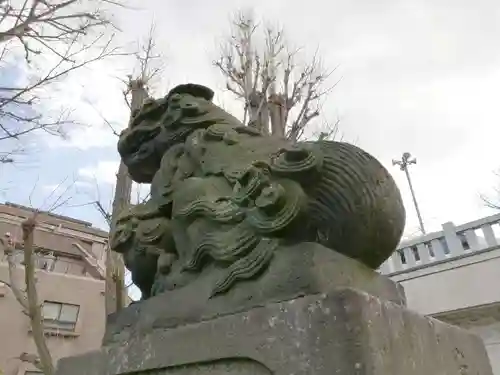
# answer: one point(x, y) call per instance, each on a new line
point(45, 261)
point(61, 316)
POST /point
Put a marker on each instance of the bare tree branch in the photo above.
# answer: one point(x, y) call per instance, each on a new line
point(104, 119)
point(150, 65)
point(9, 156)
point(490, 203)
point(71, 33)
point(488, 200)
point(281, 96)
point(246, 72)
point(105, 214)
point(329, 131)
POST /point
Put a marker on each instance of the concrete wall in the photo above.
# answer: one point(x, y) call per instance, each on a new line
point(15, 336)
point(491, 337)
point(455, 284)
point(462, 291)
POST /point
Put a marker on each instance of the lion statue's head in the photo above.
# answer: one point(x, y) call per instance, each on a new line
point(159, 124)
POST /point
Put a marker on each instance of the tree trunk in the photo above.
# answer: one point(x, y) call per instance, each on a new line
point(258, 112)
point(115, 268)
point(274, 99)
point(34, 307)
point(277, 115)
point(138, 94)
point(116, 296)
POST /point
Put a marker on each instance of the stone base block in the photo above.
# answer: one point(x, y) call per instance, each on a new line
point(346, 332)
point(296, 271)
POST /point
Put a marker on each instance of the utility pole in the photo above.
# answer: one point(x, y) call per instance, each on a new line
point(405, 161)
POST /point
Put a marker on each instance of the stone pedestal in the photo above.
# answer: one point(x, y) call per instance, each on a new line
point(342, 332)
point(296, 271)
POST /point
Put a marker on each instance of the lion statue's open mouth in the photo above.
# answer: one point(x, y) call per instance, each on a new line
point(163, 123)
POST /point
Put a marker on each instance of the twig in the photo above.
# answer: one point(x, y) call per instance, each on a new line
point(75, 33)
point(105, 214)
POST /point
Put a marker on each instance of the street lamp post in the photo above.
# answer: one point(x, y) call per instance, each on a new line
point(403, 165)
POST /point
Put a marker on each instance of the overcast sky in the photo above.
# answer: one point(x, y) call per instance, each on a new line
point(420, 76)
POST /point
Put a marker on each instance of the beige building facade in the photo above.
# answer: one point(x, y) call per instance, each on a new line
point(70, 259)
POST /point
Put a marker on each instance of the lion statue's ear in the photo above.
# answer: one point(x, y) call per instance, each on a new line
point(193, 89)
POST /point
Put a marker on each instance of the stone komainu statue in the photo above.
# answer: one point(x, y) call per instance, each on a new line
point(224, 198)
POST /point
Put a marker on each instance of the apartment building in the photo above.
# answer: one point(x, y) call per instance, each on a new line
point(70, 259)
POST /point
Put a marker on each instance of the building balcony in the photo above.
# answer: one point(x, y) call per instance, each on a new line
point(50, 263)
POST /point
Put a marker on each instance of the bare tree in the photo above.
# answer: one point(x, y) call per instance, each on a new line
point(28, 296)
point(149, 67)
point(56, 38)
point(281, 96)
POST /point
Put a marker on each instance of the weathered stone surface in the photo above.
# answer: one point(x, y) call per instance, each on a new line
point(295, 271)
point(345, 332)
point(226, 199)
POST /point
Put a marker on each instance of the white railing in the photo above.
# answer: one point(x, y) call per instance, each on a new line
point(452, 242)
